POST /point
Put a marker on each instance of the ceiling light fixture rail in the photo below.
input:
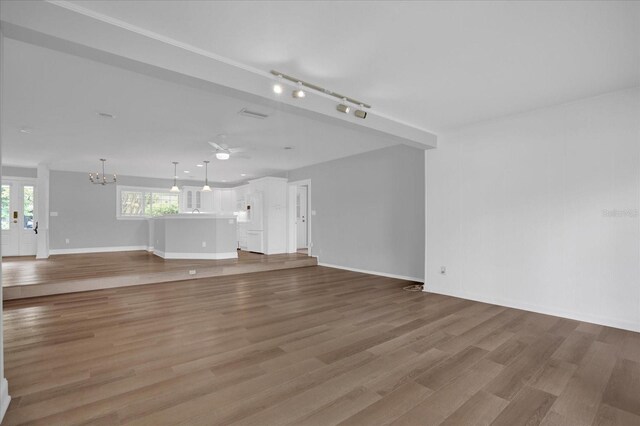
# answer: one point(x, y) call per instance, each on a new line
point(317, 88)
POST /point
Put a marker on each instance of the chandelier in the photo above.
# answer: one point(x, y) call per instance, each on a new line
point(96, 179)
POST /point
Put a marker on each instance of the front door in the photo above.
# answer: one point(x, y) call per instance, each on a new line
point(301, 216)
point(17, 220)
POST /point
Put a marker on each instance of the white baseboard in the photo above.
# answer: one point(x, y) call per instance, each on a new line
point(96, 250)
point(197, 256)
point(578, 316)
point(5, 399)
point(364, 271)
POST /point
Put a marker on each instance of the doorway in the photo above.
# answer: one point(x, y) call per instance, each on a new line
point(299, 238)
point(17, 219)
point(302, 220)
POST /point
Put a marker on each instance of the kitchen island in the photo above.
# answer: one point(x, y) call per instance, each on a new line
point(193, 236)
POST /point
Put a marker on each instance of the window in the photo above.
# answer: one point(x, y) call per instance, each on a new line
point(27, 204)
point(6, 207)
point(146, 202)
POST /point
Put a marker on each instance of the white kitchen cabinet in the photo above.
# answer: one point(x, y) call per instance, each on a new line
point(255, 241)
point(216, 199)
point(267, 220)
point(194, 198)
point(228, 200)
point(242, 235)
point(223, 200)
point(240, 193)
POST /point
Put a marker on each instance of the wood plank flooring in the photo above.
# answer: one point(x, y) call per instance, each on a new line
point(309, 346)
point(27, 277)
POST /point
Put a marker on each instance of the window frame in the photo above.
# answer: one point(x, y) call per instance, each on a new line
point(144, 190)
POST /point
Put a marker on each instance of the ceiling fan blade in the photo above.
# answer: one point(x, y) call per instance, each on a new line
point(235, 150)
point(216, 146)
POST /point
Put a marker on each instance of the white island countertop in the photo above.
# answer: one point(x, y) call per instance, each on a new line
point(195, 216)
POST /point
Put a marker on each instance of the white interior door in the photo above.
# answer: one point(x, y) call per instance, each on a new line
point(301, 216)
point(17, 219)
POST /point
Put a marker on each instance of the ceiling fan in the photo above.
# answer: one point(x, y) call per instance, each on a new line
point(222, 150)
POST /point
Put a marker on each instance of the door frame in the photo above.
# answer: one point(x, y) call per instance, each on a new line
point(292, 240)
point(24, 181)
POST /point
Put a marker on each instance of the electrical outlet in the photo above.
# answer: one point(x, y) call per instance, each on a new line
point(66, 240)
point(204, 244)
point(443, 270)
point(192, 271)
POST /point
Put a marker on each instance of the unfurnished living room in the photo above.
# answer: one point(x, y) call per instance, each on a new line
point(320, 212)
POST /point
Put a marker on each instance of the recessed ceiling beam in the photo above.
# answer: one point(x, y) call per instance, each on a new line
point(70, 28)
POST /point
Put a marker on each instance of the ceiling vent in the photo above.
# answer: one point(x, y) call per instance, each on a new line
point(252, 114)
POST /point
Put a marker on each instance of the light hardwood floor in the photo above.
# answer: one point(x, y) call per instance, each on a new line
point(309, 346)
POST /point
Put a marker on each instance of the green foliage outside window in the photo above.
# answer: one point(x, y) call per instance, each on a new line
point(143, 203)
point(6, 205)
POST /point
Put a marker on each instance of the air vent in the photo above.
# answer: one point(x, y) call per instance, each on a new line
point(252, 114)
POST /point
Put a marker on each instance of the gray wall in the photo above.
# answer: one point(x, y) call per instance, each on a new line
point(87, 213)
point(370, 211)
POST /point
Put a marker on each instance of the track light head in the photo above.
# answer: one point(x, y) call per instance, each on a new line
point(360, 114)
point(298, 93)
point(343, 107)
point(277, 86)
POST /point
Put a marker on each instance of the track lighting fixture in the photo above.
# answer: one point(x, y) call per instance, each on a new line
point(277, 87)
point(206, 187)
point(175, 188)
point(298, 93)
point(343, 107)
point(360, 113)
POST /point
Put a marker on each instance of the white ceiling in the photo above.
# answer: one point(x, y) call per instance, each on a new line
point(57, 96)
point(435, 65)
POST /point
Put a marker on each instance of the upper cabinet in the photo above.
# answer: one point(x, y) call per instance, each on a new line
point(223, 200)
point(194, 198)
point(218, 200)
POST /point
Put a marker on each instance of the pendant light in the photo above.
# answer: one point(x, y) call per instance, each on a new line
point(175, 188)
point(101, 180)
point(206, 187)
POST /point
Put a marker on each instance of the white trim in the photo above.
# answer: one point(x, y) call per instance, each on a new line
point(5, 398)
point(578, 316)
point(96, 250)
point(364, 271)
point(196, 256)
